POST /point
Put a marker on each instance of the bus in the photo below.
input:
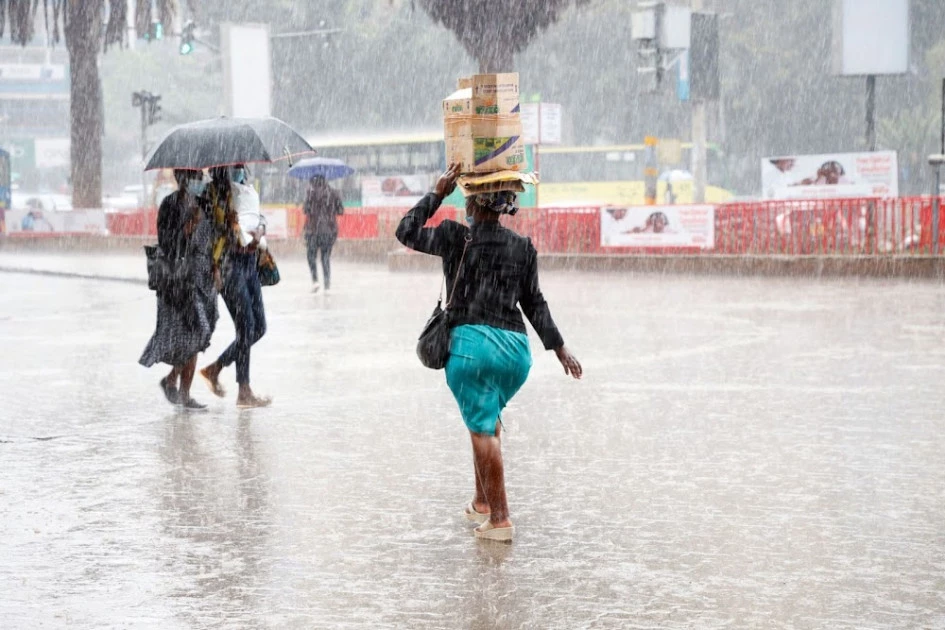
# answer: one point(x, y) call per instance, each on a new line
point(6, 189)
point(396, 169)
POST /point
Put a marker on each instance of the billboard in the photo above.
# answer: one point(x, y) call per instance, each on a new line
point(691, 226)
point(833, 175)
point(247, 81)
point(870, 37)
point(394, 191)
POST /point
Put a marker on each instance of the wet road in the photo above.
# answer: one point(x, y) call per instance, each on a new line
point(741, 454)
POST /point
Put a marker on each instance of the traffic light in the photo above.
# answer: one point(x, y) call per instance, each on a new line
point(187, 38)
point(154, 109)
point(155, 32)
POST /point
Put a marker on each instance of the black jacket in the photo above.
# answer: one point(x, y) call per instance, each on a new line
point(499, 273)
point(322, 207)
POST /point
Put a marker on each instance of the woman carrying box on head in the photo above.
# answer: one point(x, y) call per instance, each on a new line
point(495, 272)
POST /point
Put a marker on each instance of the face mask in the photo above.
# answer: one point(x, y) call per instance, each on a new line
point(239, 175)
point(470, 220)
point(196, 187)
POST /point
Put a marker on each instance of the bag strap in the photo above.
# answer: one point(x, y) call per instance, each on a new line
point(459, 269)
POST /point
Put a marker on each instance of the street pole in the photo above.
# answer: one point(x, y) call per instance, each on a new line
point(699, 171)
point(538, 157)
point(871, 112)
point(937, 194)
point(144, 150)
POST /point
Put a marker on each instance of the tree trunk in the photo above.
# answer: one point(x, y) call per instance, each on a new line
point(83, 38)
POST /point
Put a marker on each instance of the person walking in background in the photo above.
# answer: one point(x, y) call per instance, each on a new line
point(186, 314)
point(242, 292)
point(322, 207)
point(489, 361)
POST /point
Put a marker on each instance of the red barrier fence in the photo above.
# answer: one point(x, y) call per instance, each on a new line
point(828, 226)
point(825, 226)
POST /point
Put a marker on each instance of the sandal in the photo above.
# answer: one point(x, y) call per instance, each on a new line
point(486, 531)
point(473, 515)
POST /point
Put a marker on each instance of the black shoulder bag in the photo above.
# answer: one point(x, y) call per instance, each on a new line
point(433, 347)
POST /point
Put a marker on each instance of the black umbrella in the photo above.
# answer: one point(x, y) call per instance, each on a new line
point(225, 141)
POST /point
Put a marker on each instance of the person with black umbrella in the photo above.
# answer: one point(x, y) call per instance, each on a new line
point(186, 312)
point(241, 289)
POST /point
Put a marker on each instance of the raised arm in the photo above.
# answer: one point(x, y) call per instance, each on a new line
point(411, 232)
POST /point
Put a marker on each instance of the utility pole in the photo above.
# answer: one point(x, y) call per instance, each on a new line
point(150, 114)
point(699, 171)
point(871, 112)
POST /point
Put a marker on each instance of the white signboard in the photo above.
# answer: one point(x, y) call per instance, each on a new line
point(827, 176)
point(690, 226)
point(32, 72)
point(52, 152)
point(871, 37)
point(394, 191)
point(247, 82)
point(544, 116)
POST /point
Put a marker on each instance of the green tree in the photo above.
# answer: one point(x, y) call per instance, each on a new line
point(493, 31)
point(82, 25)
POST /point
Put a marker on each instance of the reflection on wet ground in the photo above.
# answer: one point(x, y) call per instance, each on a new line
point(742, 453)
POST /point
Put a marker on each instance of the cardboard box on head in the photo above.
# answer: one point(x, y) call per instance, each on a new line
point(495, 94)
point(482, 124)
point(483, 144)
point(459, 103)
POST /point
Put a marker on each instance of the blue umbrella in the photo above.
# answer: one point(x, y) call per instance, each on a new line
point(329, 168)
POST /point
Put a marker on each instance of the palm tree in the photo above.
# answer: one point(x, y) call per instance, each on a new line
point(492, 31)
point(82, 26)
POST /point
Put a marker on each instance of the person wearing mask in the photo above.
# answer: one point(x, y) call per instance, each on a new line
point(241, 290)
point(495, 272)
point(322, 207)
point(186, 314)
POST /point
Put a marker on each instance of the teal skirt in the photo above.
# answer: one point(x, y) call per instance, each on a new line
point(487, 366)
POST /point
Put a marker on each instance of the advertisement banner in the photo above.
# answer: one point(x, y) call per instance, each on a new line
point(35, 221)
point(831, 176)
point(655, 227)
point(394, 191)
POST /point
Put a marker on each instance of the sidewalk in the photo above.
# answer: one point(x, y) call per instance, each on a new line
point(122, 259)
point(70, 264)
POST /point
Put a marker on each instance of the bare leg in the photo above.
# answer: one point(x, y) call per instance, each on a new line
point(480, 504)
point(487, 451)
point(187, 377)
point(172, 376)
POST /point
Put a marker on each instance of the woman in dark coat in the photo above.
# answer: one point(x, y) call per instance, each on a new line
point(185, 317)
point(322, 207)
point(495, 272)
